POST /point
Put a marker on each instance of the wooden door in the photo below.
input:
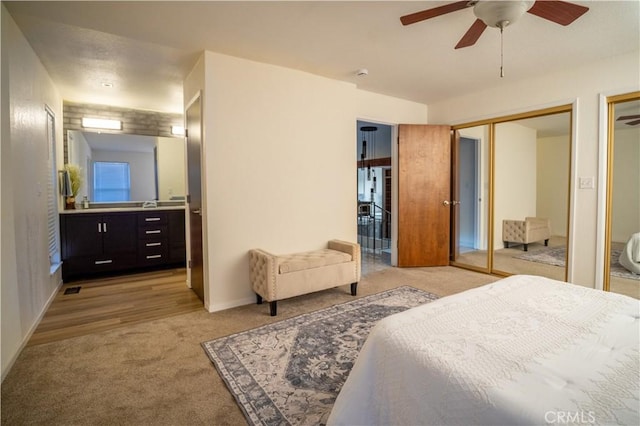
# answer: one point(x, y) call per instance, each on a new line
point(194, 203)
point(424, 191)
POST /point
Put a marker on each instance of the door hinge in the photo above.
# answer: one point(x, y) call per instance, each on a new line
point(189, 264)
point(188, 198)
point(186, 133)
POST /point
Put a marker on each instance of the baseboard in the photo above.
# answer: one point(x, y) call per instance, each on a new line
point(32, 330)
point(228, 305)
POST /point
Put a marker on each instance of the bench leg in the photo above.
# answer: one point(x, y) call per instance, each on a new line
point(273, 307)
point(526, 247)
point(354, 288)
point(258, 299)
point(546, 242)
point(506, 244)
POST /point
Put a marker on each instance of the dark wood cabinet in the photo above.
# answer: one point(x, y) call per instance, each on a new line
point(177, 244)
point(100, 243)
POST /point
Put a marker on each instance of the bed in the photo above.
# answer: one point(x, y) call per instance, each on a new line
point(522, 350)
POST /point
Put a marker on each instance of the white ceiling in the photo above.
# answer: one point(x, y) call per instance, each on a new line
point(146, 48)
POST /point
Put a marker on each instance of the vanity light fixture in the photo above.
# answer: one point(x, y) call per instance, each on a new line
point(101, 123)
point(177, 130)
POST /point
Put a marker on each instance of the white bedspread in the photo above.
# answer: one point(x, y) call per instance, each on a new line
point(523, 350)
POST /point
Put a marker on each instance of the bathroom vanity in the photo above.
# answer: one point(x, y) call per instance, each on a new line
point(113, 240)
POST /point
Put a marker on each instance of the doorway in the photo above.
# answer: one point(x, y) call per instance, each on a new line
point(374, 194)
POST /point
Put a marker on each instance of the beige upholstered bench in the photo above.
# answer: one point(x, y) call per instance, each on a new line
point(529, 230)
point(277, 277)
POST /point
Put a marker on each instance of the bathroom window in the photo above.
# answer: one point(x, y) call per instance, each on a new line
point(111, 181)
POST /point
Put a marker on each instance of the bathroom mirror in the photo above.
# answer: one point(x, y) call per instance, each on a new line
point(144, 167)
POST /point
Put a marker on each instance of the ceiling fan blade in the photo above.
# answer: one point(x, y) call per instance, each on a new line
point(628, 117)
point(633, 123)
point(432, 13)
point(560, 12)
point(472, 35)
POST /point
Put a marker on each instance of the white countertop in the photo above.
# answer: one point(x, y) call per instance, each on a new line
point(120, 209)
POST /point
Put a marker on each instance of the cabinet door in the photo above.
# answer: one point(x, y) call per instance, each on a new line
point(177, 247)
point(176, 228)
point(120, 233)
point(83, 236)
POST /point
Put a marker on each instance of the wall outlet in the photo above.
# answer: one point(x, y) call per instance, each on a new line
point(586, 183)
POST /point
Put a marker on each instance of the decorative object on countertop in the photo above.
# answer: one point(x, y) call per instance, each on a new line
point(71, 184)
point(290, 372)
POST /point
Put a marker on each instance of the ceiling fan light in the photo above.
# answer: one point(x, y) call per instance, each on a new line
point(499, 14)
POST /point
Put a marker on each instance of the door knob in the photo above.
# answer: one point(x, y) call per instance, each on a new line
point(196, 211)
point(446, 203)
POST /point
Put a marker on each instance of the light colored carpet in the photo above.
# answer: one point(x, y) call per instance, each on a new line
point(157, 373)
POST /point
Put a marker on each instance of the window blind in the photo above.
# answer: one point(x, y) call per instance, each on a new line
point(53, 222)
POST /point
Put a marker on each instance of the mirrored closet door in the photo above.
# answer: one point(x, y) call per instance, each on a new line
point(622, 253)
point(512, 189)
point(532, 161)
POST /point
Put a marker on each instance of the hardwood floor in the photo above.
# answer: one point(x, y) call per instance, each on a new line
point(107, 303)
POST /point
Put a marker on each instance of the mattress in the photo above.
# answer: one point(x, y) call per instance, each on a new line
point(522, 350)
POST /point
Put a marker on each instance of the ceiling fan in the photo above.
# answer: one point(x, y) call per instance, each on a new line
point(500, 14)
point(631, 120)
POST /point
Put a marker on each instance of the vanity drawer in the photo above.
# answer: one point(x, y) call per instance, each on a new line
point(154, 232)
point(80, 266)
point(153, 255)
point(152, 245)
point(152, 218)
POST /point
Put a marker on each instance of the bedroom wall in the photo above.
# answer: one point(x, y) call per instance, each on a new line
point(625, 219)
point(27, 285)
point(515, 176)
point(279, 153)
point(615, 75)
point(552, 181)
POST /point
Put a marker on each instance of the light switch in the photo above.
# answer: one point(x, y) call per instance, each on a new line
point(586, 183)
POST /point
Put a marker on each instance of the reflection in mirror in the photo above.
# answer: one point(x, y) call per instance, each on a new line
point(473, 187)
point(120, 167)
point(531, 195)
point(624, 235)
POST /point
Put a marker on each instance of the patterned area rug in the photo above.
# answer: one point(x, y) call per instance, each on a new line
point(290, 372)
point(556, 256)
